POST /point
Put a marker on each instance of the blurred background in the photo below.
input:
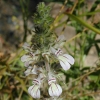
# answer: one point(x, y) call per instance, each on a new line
point(79, 22)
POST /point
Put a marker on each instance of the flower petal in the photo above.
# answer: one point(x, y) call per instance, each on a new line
point(52, 50)
point(61, 38)
point(26, 64)
point(51, 92)
point(63, 62)
point(60, 89)
point(34, 70)
point(70, 59)
point(55, 90)
point(26, 46)
point(30, 89)
point(58, 93)
point(38, 93)
point(28, 71)
point(65, 65)
point(25, 58)
point(34, 91)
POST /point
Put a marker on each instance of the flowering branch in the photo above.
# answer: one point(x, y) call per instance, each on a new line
point(38, 58)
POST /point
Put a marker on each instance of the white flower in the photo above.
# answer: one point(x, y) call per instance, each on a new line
point(65, 60)
point(61, 38)
point(31, 70)
point(34, 90)
point(28, 59)
point(26, 46)
point(60, 41)
point(34, 70)
point(55, 89)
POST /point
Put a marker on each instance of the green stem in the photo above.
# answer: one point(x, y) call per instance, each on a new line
point(25, 18)
point(47, 66)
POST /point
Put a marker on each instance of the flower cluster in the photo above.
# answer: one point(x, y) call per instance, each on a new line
point(43, 52)
point(34, 62)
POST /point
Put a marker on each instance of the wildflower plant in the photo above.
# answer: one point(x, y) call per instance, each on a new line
point(47, 73)
point(42, 53)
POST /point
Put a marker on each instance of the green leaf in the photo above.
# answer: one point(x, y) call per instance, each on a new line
point(89, 13)
point(93, 78)
point(22, 83)
point(84, 23)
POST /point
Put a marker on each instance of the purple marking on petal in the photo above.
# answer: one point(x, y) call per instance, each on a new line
point(36, 81)
point(51, 80)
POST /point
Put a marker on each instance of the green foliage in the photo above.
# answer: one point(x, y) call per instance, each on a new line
point(42, 19)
